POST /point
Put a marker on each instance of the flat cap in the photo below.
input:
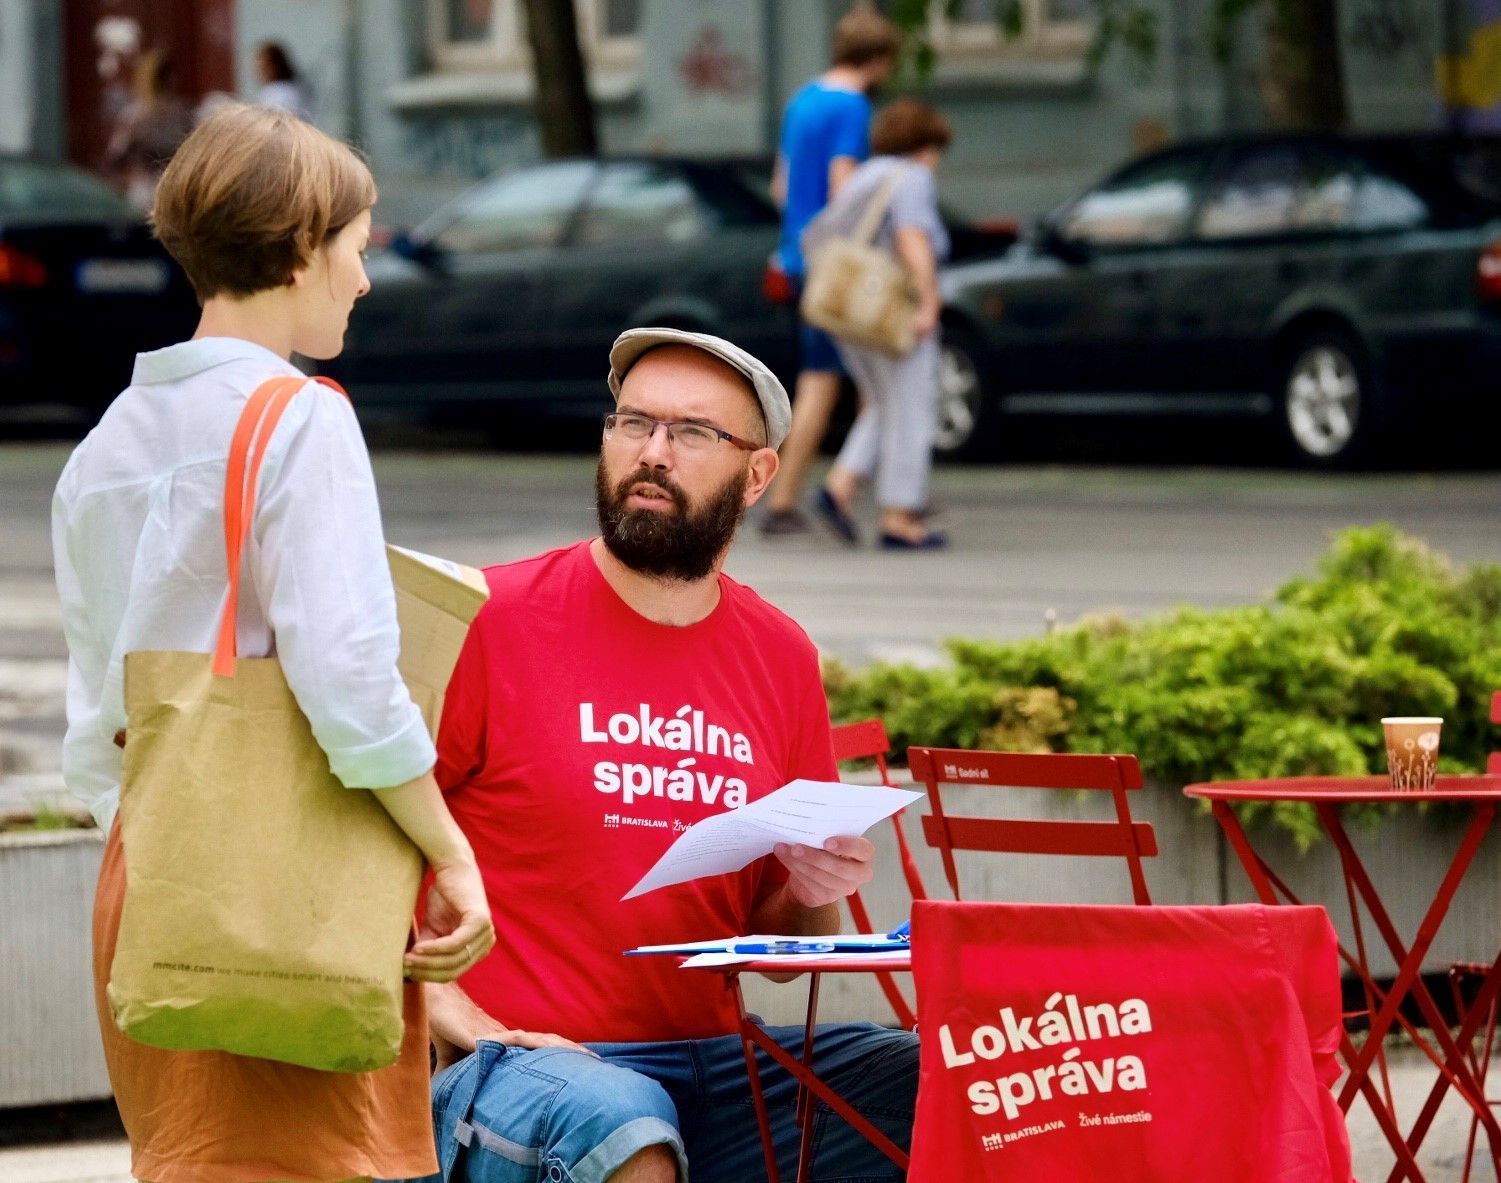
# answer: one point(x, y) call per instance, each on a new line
point(776, 407)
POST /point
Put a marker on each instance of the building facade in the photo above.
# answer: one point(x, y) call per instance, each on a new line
point(439, 92)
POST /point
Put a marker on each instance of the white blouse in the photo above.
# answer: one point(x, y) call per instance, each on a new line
point(138, 544)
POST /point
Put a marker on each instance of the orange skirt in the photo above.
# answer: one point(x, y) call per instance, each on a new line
point(195, 1117)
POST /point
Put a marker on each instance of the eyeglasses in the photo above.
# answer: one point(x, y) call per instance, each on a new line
point(688, 434)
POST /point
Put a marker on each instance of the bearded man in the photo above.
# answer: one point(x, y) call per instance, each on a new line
point(612, 693)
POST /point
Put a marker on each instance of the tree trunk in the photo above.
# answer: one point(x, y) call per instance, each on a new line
point(565, 112)
point(1303, 81)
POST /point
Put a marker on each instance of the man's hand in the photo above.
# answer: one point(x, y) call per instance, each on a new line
point(821, 877)
point(456, 1025)
point(456, 930)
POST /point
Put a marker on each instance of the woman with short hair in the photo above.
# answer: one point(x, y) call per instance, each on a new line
point(892, 438)
point(268, 216)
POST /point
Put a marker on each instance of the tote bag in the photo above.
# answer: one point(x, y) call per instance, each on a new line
point(855, 290)
point(267, 907)
point(1135, 1044)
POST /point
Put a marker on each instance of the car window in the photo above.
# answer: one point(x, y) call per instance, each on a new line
point(1384, 203)
point(733, 193)
point(640, 203)
point(36, 192)
point(525, 209)
point(1258, 194)
point(1291, 189)
point(1148, 203)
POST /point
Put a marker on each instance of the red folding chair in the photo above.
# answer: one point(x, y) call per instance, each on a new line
point(1116, 775)
point(863, 741)
point(1463, 974)
point(1079, 1043)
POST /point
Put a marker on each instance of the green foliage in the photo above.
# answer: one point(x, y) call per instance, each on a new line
point(1293, 687)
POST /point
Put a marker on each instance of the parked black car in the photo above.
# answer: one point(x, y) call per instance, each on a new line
point(510, 296)
point(1347, 286)
point(83, 288)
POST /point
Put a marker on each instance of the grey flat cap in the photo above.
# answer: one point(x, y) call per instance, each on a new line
point(776, 407)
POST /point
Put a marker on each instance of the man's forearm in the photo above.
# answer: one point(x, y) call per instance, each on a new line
point(780, 913)
point(455, 1017)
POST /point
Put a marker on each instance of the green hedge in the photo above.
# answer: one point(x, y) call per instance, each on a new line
point(1293, 687)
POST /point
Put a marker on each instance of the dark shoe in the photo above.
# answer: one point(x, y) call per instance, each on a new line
point(779, 523)
point(933, 540)
point(836, 518)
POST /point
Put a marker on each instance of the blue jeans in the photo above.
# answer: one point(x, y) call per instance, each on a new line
point(511, 1115)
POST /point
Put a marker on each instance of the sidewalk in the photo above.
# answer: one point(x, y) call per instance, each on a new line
point(79, 1162)
point(1442, 1156)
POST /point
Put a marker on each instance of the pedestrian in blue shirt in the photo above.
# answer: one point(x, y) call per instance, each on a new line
point(825, 136)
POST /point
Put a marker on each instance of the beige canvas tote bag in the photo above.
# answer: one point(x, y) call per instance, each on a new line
point(855, 290)
point(267, 907)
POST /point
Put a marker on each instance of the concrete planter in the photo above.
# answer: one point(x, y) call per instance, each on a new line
point(48, 1033)
point(1406, 855)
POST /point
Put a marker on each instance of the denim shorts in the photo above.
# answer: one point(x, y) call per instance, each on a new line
point(817, 351)
point(511, 1115)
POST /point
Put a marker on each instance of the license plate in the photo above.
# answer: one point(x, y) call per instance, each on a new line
point(122, 275)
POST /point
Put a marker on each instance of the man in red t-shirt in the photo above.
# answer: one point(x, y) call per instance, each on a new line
point(611, 694)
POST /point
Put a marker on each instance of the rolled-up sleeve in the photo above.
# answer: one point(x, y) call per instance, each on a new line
point(318, 564)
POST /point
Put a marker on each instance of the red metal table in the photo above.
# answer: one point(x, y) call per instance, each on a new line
point(809, 1085)
point(1327, 795)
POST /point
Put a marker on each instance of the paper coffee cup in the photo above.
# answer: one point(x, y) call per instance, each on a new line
point(1412, 750)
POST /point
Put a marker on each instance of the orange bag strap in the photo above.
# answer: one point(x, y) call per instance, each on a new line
point(247, 451)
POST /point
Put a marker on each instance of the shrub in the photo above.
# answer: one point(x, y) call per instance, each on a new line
point(1296, 686)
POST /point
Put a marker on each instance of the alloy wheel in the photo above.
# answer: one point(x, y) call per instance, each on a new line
point(958, 409)
point(1323, 401)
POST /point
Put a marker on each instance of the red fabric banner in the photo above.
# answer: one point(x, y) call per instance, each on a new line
point(1135, 1044)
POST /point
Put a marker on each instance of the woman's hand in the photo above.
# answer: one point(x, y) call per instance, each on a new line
point(925, 320)
point(456, 930)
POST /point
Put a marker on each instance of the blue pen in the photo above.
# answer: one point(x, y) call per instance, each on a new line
point(902, 932)
point(782, 947)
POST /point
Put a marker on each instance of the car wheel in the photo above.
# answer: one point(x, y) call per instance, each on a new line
point(1328, 400)
point(961, 414)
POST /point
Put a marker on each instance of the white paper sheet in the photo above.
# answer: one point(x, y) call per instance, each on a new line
point(806, 812)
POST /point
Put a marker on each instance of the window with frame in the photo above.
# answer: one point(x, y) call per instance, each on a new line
point(472, 34)
point(1050, 28)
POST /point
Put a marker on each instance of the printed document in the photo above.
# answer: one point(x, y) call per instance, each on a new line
point(805, 812)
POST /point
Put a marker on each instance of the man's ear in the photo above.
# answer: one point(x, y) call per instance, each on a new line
point(764, 463)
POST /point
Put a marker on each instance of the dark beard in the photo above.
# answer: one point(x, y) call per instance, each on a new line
point(682, 544)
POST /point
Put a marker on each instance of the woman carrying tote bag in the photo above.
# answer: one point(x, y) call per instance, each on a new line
point(892, 439)
point(268, 216)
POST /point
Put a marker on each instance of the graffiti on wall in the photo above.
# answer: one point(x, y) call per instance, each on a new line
point(1385, 28)
point(711, 67)
point(1470, 81)
point(468, 145)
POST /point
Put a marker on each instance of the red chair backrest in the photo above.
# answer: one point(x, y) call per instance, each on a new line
point(1116, 775)
point(1081, 1043)
point(1493, 765)
point(867, 740)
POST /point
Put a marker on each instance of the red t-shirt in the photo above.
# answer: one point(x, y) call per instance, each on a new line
point(578, 740)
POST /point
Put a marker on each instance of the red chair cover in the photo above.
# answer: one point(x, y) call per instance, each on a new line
point(1135, 1044)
